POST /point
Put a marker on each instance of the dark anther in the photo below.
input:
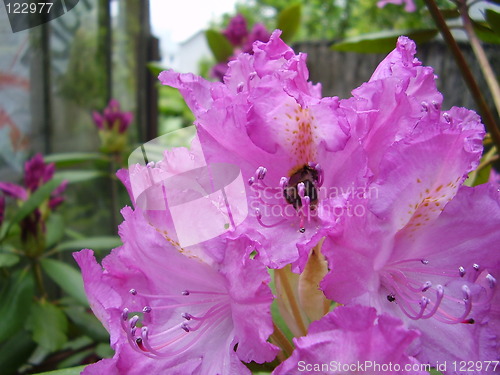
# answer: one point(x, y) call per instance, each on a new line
point(308, 176)
point(391, 298)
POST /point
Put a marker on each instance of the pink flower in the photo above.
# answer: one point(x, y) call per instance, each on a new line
point(169, 313)
point(238, 35)
point(36, 174)
point(437, 275)
point(236, 31)
point(113, 118)
point(352, 340)
point(409, 4)
point(273, 124)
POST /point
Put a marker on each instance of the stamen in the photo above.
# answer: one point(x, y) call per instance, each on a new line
point(258, 215)
point(426, 286)
point(283, 183)
point(424, 261)
point(133, 292)
point(491, 280)
point(447, 117)
point(461, 271)
point(425, 106)
point(185, 327)
point(260, 173)
point(475, 266)
point(146, 309)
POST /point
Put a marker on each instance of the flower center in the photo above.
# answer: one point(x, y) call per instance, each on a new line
point(294, 199)
point(307, 176)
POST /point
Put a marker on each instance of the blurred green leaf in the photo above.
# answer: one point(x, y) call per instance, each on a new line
point(66, 371)
point(67, 277)
point(289, 21)
point(8, 260)
point(383, 41)
point(34, 201)
point(449, 13)
point(76, 358)
point(482, 176)
point(493, 19)
point(219, 45)
point(94, 243)
point(49, 325)
point(104, 350)
point(55, 230)
point(16, 296)
point(79, 176)
point(485, 33)
point(435, 372)
point(87, 323)
point(71, 158)
point(155, 68)
point(15, 351)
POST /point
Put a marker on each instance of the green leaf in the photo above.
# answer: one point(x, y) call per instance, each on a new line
point(94, 243)
point(493, 19)
point(482, 176)
point(289, 21)
point(485, 33)
point(449, 13)
point(34, 201)
point(55, 230)
point(73, 176)
point(15, 351)
point(219, 45)
point(435, 372)
point(8, 260)
point(67, 277)
point(155, 68)
point(71, 158)
point(383, 41)
point(49, 325)
point(87, 323)
point(66, 371)
point(16, 296)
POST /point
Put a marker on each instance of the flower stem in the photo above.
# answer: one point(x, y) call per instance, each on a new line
point(478, 49)
point(279, 337)
point(488, 117)
point(282, 274)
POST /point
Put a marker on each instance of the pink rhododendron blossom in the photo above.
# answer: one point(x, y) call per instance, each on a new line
point(353, 340)
point(438, 277)
point(236, 31)
point(169, 313)
point(409, 4)
point(36, 174)
point(238, 35)
point(272, 123)
point(112, 118)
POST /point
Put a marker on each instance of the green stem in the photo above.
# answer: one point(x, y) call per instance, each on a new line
point(281, 273)
point(478, 49)
point(37, 272)
point(487, 115)
point(282, 341)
